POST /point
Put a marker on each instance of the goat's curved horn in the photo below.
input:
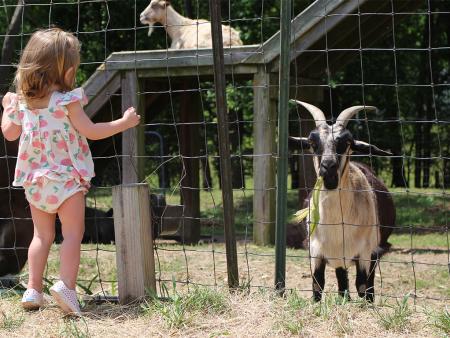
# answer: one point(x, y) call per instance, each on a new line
point(317, 114)
point(348, 113)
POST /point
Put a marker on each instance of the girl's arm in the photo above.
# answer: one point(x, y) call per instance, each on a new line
point(98, 131)
point(10, 130)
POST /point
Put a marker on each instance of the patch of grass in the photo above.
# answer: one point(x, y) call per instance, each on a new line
point(76, 328)
point(11, 321)
point(206, 300)
point(397, 319)
point(178, 310)
point(441, 321)
point(295, 302)
point(422, 241)
point(421, 207)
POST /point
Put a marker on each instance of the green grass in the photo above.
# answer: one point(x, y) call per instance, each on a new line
point(179, 310)
point(11, 321)
point(398, 318)
point(425, 241)
point(421, 208)
point(441, 321)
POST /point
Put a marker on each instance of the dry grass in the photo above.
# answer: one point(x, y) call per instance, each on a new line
point(251, 312)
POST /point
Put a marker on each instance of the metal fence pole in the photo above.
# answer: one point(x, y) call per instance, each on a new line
point(224, 143)
point(283, 112)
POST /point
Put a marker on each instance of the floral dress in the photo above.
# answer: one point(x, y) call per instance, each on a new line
point(54, 160)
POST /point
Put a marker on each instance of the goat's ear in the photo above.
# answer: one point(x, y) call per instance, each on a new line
point(300, 142)
point(366, 148)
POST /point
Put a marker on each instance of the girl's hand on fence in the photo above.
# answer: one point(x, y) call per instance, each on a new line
point(8, 99)
point(130, 118)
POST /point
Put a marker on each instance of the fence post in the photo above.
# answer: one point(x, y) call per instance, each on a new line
point(283, 118)
point(224, 143)
point(134, 241)
point(132, 139)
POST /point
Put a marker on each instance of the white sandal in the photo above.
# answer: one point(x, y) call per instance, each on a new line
point(32, 300)
point(65, 298)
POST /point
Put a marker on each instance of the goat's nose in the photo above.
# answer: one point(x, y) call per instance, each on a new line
point(327, 167)
point(142, 17)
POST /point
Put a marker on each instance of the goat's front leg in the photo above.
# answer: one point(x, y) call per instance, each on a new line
point(342, 279)
point(363, 283)
point(318, 278)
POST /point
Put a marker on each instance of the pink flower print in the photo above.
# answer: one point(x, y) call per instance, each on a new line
point(36, 144)
point(52, 155)
point(66, 162)
point(83, 172)
point(21, 115)
point(43, 158)
point(23, 156)
point(29, 125)
point(80, 156)
point(58, 114)
point(36, 196)
point(34, 165)
point(51, 199)
point(71, 137)
point(85, 148)
point(42, 123)
point(69, 184)
point(62, 145)
point(18, 173)
point(45, 134)
point(74, 173)
point(54, 167)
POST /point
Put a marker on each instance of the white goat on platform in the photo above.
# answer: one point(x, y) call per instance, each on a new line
point(184, 32)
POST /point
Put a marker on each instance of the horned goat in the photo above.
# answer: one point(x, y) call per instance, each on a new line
point(356, 211)
point(185, 33)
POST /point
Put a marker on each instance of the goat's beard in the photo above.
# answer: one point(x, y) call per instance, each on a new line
point(151, 28)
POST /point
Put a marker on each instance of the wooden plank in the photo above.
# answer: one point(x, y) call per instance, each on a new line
point(164, 72)
point(307, 38)
point(175, 58)
point(100, 98)
point(190, 152)
point(98, 81)
point(302, 23)
point(134, 242)
point(264, 117)
point(132, 139)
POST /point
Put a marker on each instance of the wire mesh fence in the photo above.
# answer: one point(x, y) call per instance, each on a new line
point(389, 54)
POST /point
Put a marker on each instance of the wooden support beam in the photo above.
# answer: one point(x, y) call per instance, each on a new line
point(190, 152)
point(132, 139)
point(134, 241)
point(264, 115)
point(102, 95)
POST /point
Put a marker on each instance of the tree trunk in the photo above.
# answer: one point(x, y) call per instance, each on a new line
point(8, 47)
point(188, 9)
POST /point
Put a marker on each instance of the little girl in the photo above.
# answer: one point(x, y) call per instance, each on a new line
point(54, 164)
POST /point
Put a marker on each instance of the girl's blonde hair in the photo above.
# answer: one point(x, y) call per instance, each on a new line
point(48, 55)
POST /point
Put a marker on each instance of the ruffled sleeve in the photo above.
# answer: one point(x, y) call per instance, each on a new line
point(13, 112)
point(76, 95)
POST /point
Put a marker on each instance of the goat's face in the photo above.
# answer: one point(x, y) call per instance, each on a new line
point(155, 12)
point(333, 144)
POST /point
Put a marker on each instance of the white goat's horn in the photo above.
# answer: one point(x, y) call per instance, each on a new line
point(317, 114)
point(348, 113)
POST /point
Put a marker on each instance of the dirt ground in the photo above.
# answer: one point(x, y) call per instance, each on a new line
point(255, 311)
